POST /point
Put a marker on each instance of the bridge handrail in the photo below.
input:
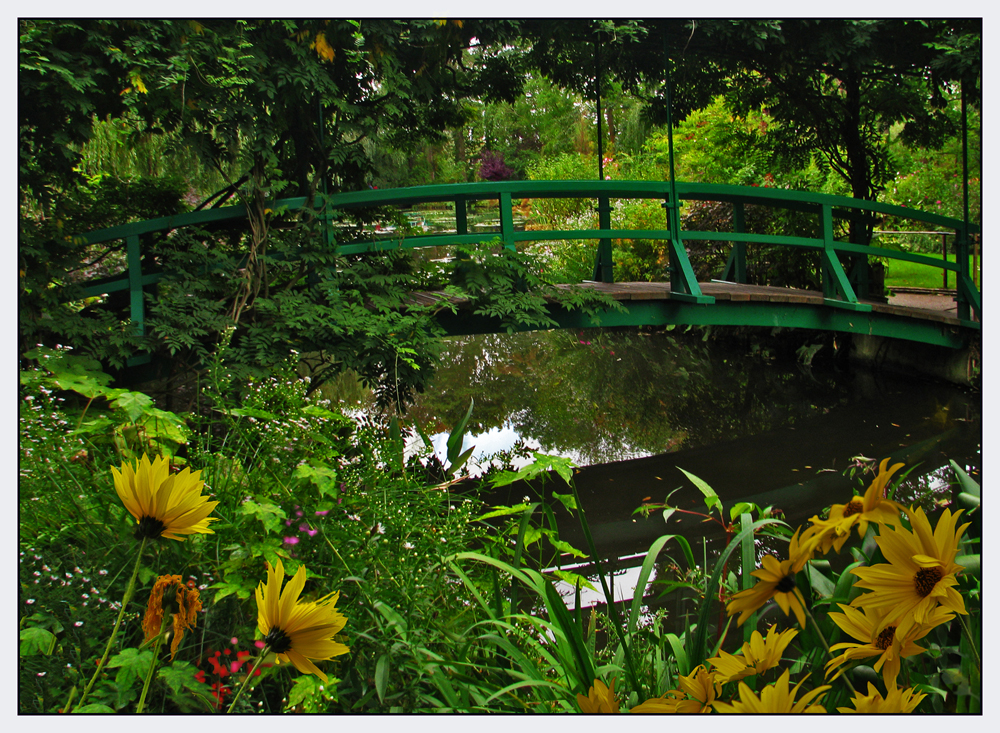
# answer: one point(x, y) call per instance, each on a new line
point(837, 288)
point(486, 191)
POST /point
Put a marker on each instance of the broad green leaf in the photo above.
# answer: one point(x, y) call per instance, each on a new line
point(566, 548)
point(36, 641)
point(134, 404)
point(132, 665)
point(573, 578)
point(568, 500)
point(270, 515)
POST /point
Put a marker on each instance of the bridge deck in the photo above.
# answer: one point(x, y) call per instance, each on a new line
point(940, 309)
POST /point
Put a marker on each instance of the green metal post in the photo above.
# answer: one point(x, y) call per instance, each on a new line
point(962, 240)
point(736, 266)
point(683, 283)
point(507, 221)
point(604, 267)
point(835, 281)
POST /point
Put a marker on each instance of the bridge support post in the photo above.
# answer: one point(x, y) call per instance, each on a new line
point(507, 221)
point(137, 304)
point(604, 267)
point(736, 266)
point(837, 290)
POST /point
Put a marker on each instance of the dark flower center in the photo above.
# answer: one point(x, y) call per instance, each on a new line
point(278, 640)
point(149, 528)
point(786, 584)
point(854, 506)
point(884, 640)
point(926, 579)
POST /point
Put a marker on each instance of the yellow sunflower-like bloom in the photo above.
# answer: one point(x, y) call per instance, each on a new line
point(696, 694)
point(776, 698)
point(776, 580)
point(163, 505)
point(601, 699)
point(897, 700)
point(298, 632)
point(858, 512)
point(759, 655)
point(920, 574)
point(881, 637)
point(170, 595)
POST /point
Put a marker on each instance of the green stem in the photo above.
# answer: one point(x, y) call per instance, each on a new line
point(263, 654)
point(152, 664)
point(114, 634)
point(972, 644)
point(826, 647)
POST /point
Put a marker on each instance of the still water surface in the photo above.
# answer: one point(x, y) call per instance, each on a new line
point(755, 422)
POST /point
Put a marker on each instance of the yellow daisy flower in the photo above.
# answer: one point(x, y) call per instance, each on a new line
point(921, 570)
point(776, 580)
point(697, 692)
point(163, 505)
point(897, 700)
point(759, 655)
point(776, 698)
point(298, 632)
point(858, 512)
point(666, 703)
point(171, 595)
point(601, 699)
point(881, 637)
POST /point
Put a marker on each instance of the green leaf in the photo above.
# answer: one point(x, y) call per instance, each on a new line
point(382, 676)
point(132, 665)
point(503, 511)
point(711, 498)
point(568, 500)
point(270, 515)
point(565, 547)
point(134, 404)
point(574, 578)
point(819, 582)
point(968, 484)
point(36, 641)
point(94, 707)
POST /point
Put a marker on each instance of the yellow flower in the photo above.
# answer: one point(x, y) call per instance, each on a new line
point(298, 632)
point(882, 637)
point(666, 703)
point(858, 512)
point(697, 692)
point(776, 580)
point(163, 505)
point(921, 571)
point(184, 605)
point(774, 698)
point(897, 700)
point(601, 699)
point(759, 655)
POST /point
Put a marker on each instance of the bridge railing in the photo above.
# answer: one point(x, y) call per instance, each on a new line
point(837, 288)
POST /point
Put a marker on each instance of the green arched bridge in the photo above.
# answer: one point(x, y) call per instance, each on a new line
point(841, 305)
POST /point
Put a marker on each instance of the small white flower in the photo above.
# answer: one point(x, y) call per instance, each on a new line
point(78, 624)
point(30, 601)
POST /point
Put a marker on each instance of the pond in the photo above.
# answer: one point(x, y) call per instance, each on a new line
point(754, 421)
point(773, 420)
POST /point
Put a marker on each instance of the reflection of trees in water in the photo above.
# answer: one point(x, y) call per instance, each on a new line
point(609, 395)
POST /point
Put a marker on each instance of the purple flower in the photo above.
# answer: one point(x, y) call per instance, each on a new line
point(291, 540)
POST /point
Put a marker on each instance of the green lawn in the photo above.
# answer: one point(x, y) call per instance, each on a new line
point(900, 273)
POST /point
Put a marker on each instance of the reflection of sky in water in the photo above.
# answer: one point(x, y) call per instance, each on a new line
point(503, 439)
point(486, 444)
